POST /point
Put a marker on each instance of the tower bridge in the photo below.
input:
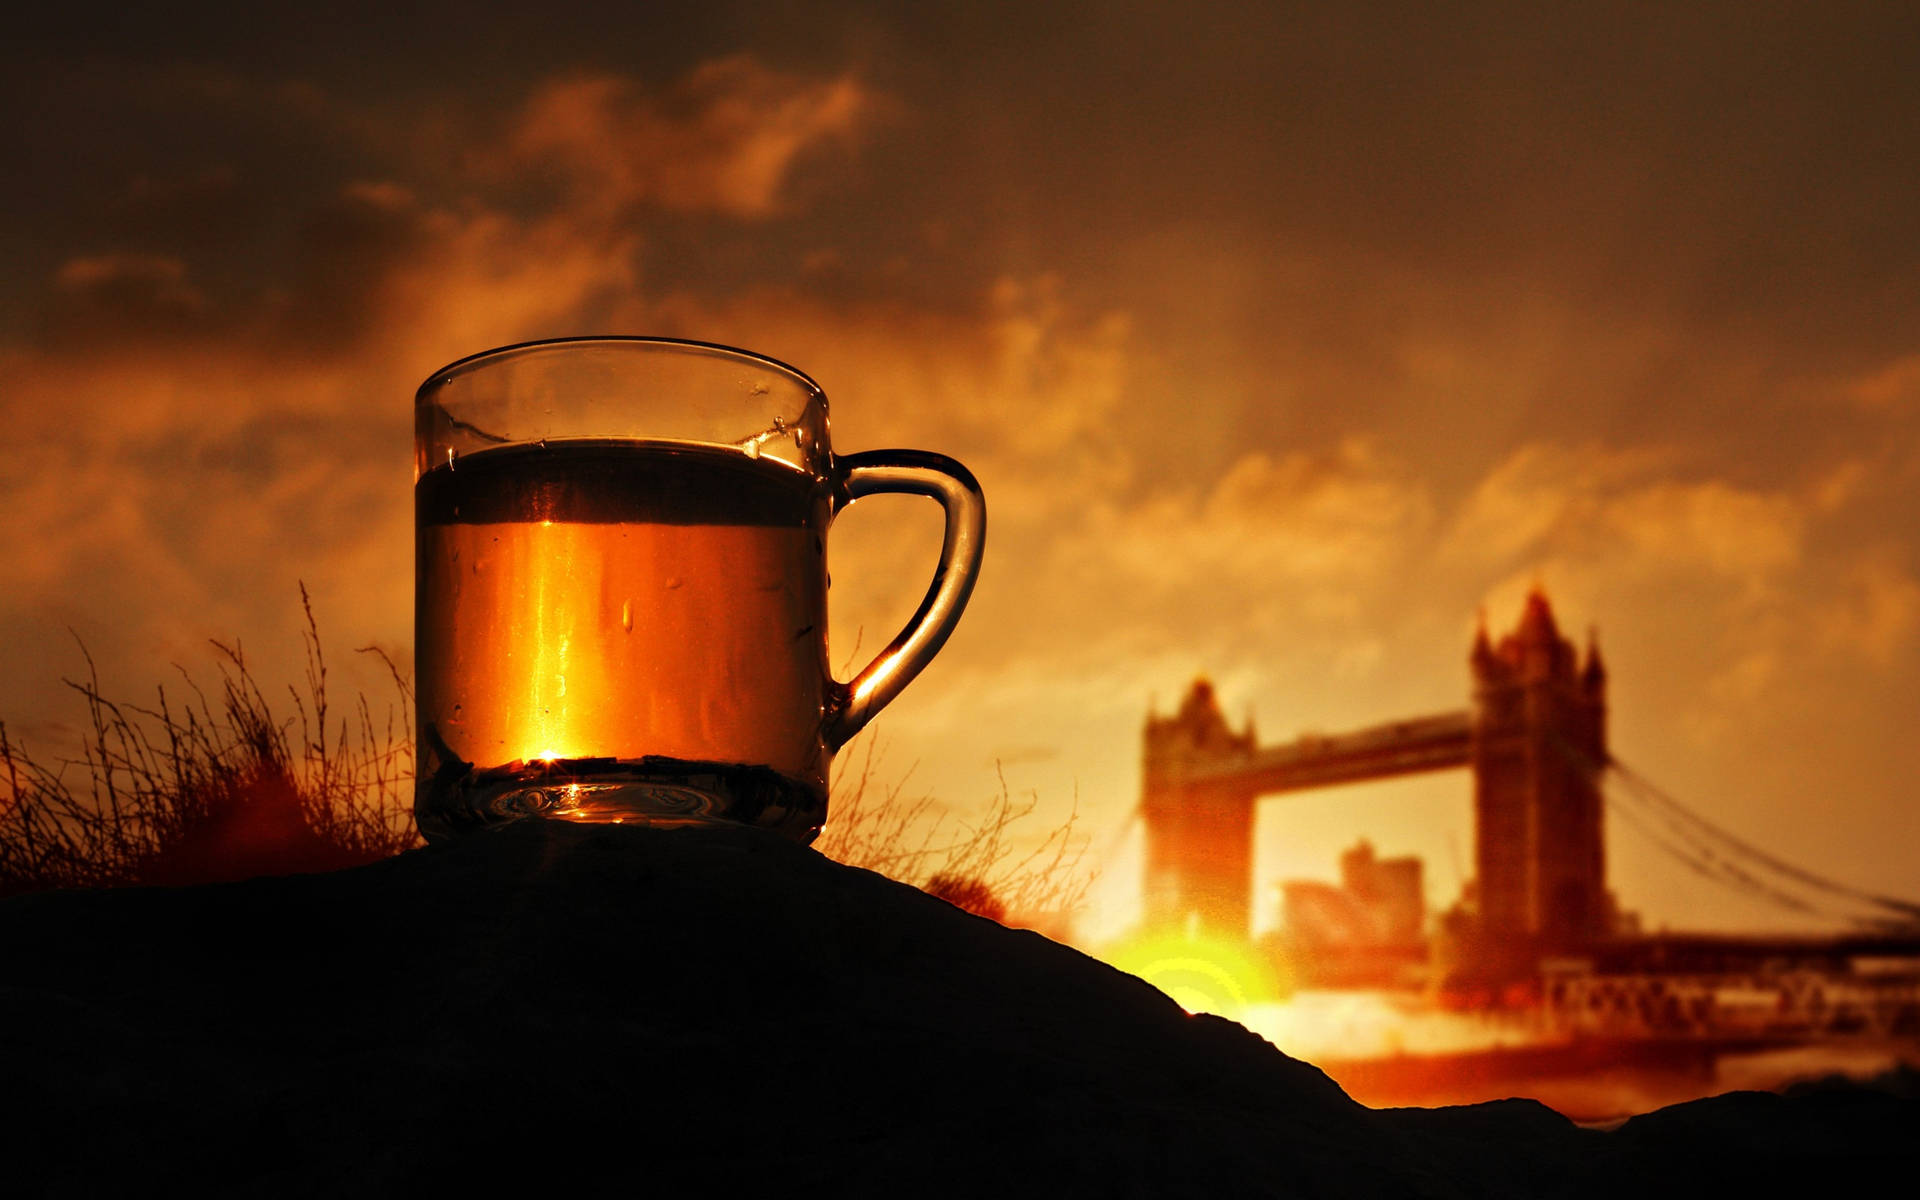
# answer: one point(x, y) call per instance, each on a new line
point(1534, 737)
point(1539, 917)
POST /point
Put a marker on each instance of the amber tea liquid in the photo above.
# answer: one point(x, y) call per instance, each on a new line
point(609, 627)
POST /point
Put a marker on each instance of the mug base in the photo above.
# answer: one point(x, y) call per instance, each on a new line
point(654, 791)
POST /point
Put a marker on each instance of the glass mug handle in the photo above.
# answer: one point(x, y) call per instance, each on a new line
point(918, 473)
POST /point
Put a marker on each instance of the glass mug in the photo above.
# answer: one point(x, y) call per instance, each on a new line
point(621, 586)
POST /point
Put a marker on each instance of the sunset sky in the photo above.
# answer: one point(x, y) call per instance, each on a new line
point(1281, 343)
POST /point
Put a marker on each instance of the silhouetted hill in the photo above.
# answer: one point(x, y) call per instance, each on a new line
point(622, 1010)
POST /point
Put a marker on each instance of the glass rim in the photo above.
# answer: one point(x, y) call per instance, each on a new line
point(472, 362)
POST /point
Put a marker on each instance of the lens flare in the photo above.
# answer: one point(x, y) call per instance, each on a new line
point(1202, 974)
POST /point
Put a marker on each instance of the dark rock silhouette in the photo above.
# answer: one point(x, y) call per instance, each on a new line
point(623, 1010)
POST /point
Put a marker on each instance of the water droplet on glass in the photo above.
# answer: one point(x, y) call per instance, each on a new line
point(451, 455)
point(626, 616)
point(752, 448)
point(779, 424)
point(457, 710)
point(542, 443)
point(673, 583)
point(761, 389)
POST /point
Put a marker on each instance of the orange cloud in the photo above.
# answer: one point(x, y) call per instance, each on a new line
point(1278, 541)
point(727, 137)
point(104, 296)
point(1895, 385)
point(1625, 508)
point(1875, 613)
point(1027, 390)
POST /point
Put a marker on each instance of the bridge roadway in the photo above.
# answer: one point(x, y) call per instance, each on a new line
point(1435, 743)
point(1693, 952)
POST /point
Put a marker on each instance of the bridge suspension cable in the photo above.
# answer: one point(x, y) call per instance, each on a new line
point(1710, 867)
point(1716, 853)
point(1646, 789)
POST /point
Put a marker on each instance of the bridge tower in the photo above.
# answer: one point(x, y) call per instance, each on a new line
point(1539, 743)
point(1199, 834)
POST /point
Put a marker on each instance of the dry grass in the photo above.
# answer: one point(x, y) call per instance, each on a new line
point(221, 788)
point(210, 789)
point(974, 865)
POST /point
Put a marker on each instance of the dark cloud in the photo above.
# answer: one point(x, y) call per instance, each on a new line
point(346, 251)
